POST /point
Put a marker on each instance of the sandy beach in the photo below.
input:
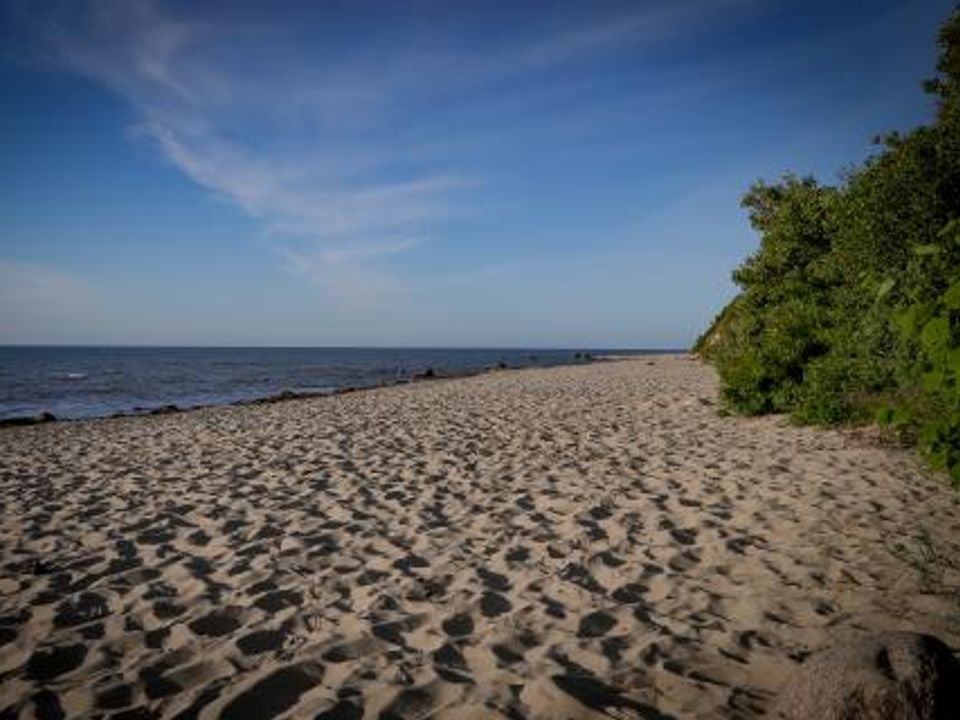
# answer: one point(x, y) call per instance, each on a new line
point(573, 542)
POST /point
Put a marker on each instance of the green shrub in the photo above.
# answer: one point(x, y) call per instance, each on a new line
point(850, 308)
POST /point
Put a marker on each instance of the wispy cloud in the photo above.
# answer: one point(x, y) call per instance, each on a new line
point(191, 106)
point(350, 274)
point(295, 200)
point(312, 140)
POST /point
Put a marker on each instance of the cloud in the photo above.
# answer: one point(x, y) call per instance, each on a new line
point(320, 141)
point(193, 103)
point(296, 201)
point(645, 27)
point(351, 274)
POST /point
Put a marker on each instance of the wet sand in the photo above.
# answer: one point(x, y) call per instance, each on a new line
point(574, 542)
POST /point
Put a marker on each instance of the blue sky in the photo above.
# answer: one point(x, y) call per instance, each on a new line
point(530, 174)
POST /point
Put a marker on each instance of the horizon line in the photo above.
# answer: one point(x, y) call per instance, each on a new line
point(574, 348)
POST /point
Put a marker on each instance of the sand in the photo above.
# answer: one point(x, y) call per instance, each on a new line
point(574, 542)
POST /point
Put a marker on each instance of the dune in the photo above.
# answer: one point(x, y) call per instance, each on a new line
point(572, 542)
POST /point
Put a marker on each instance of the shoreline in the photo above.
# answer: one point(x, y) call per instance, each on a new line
point(430, 374)
point(559, 542)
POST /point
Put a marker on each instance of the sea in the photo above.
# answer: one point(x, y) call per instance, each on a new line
point(83, 382)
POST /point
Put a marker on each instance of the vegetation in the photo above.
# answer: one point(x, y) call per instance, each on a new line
point(850, 308)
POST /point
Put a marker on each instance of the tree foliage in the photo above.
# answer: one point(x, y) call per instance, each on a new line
point(850, 308)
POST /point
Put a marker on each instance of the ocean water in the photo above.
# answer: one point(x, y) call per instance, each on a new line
point(77, 382)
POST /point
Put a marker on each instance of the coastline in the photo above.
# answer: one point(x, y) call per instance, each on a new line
point(544, 541)
point(429, 373)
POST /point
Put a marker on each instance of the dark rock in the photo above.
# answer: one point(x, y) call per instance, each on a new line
point(896, 675)
point(43, 417)
point(165, 410)
point(283, 396)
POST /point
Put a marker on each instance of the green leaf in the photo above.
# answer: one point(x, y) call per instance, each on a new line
point(933, 381)
point(931, 249)
point(951, 231)
point(885, 287)
point(935, 337)
point(906, 322)
point(900, 417)
point(951, 298)
point(938, 458)
point(909, 321)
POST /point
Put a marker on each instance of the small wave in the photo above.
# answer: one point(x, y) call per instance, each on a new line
point(69, 375)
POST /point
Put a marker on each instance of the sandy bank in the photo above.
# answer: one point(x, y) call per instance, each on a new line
point(572, 542)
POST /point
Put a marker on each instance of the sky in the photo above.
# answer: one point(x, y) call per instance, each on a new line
point(375, 173)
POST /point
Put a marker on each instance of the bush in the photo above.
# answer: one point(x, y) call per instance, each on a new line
point(850, 307)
